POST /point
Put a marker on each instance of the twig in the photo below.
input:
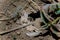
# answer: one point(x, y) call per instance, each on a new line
point(11, 30)
point(51, 23)
point(33, 4)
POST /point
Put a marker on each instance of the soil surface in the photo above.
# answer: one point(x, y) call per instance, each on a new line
point(7, 10)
